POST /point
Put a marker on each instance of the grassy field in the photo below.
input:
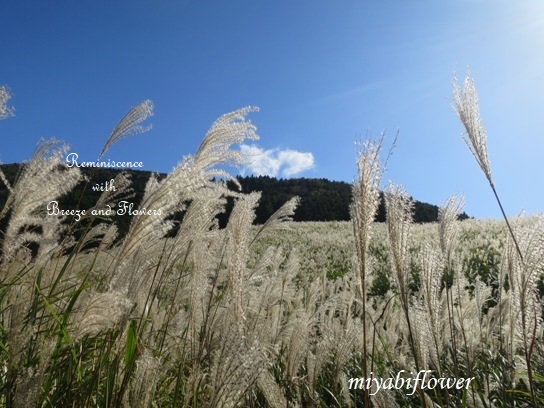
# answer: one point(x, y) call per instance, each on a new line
point(276, 315)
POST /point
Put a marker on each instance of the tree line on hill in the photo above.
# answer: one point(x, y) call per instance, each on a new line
point(321, 199)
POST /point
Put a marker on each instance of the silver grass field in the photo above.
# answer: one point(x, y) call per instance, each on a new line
point(275, 315)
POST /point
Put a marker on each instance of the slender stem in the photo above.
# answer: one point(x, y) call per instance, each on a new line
point(528, 350)
point(507, 223)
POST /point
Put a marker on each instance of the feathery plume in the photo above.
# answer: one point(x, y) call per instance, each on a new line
point(188, 179)
point(238, 230)
point(146, 376)
point(42, 180)
point(5, 180)
point(448, 225)
point(467, 108)
point(527, 305)
point(101, 311)
point(214, 150)
point(130, 124)
point(235, 368)
point(366, 198)
point(283, 214)
point(399, 209)
point(431, 280)
point(5, 110)
point(271, 390)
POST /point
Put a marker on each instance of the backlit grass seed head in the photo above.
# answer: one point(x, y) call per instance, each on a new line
point(284, 214)
point(146, 376)
point(271, 390)
point(430, 290)
point(235, 367)
point(186, 182)
point(5, 110)
point(130, 124)
point(366, 198)
point(366, 190)
point(215, 149)
point(399, 208)
point(238, 233)
point(524, 277)
point(42, 179)
point(448, 224)
point(123, 191)
point(100, 312)
point(467, 108)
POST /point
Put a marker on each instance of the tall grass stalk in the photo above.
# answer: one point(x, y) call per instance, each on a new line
point(399, 209)
point(466, 106)
point(366, 197)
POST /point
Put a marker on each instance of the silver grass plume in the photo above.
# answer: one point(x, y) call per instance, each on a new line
point(199, 285)
point(298, 342)
point(193, 247)
point(231, 128)
point(43, 179)
point(384, 400)
point(146, 377)
point(430, 293)
point(108, 238)
point(194, 243)
point(184, 183)
point(265, 261)
point(482, 294)
point(130, 125)
point(123, 191)
point(5, 180)
point(283, 214)
point(448, 225)
point(100, 312)
point(524, 277)
point(346, 337)
point(467, 316)
point(448, 229)
point(271, 390)
point(366, 198)
point(399, 209)
point(268, 297)
point(198, 221)
point(238, 231)
point(97, 233)
point(235, 368)
point(5, 110)
point(467, 108)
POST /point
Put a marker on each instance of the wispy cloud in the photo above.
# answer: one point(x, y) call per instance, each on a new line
point(348, 93)
point(276, 162)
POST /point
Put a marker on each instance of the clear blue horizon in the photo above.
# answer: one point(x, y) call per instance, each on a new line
point(324, 74)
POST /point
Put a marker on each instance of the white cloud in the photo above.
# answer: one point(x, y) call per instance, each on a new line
point(276, 162)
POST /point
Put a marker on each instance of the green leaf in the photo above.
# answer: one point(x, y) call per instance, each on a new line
point(132, 342)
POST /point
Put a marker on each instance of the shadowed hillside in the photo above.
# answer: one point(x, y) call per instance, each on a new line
point(321, 199)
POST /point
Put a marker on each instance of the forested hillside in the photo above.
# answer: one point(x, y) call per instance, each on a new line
point(321, 199)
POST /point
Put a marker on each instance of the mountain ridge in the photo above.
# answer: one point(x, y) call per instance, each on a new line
point(321, 199)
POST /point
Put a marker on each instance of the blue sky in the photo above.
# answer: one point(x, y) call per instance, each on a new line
point(323, 73)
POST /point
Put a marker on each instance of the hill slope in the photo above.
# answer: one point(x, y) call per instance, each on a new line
point(321, 199)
